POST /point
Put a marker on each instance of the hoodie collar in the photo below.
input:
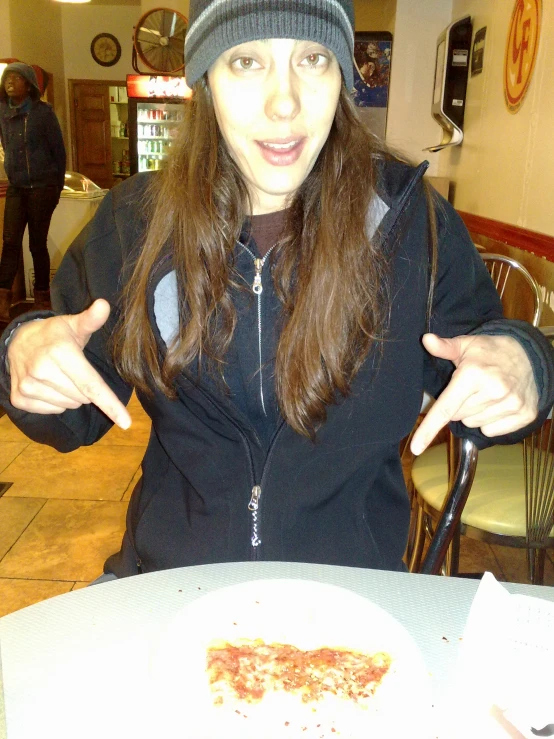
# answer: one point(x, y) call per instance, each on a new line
point(23, 107)
point(396, 185)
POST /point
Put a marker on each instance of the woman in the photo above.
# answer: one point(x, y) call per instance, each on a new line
point(266, 295)
point(35, 165)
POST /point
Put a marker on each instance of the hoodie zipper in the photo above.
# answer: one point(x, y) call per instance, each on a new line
point(26, 149)
point(257, 289)
point(254, 505)
point(256, 493)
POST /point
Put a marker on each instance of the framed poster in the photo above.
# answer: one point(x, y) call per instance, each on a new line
point(372, 65)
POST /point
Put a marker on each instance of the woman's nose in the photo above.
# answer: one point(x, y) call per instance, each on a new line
point(283, 99)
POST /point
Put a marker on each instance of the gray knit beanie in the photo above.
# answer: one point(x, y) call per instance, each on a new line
point(218, 25)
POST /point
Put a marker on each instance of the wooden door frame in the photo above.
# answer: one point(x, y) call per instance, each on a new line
point(71, 91)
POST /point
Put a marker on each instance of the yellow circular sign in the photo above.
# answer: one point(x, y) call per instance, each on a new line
point(521, 51)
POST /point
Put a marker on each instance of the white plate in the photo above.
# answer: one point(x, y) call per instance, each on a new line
point(308, 615)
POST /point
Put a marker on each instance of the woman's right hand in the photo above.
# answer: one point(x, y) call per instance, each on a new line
point(48, 369)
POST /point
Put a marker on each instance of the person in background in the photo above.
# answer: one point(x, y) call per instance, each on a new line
point(279, 296)
point(34, 160)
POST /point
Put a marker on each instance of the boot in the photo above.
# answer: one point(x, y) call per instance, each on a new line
point(5, 302)
point(42, 300)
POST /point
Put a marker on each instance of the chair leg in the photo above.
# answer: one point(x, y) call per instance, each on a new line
point(535, 561)
point(417, 536)
point(412, 530)
point(451, 565)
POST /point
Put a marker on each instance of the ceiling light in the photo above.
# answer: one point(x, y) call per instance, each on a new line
point(72, 1)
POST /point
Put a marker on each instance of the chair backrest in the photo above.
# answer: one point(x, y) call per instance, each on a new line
point(538, 451)
point(502, 271)
point(538, 461)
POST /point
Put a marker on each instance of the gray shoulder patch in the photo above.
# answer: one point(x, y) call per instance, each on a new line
point(166, 307)
point(377, 210)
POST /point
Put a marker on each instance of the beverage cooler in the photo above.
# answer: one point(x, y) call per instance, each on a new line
point(155, 111)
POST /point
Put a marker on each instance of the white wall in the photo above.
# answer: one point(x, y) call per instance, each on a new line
point(375, 15)
point(411, 127)
point(30, 43)
point(505, 168)
point(5, 30)
point(81, 23)
point(181, 6)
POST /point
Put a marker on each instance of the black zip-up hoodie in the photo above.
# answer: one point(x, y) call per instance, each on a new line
point(224, 482)
point(34, 152)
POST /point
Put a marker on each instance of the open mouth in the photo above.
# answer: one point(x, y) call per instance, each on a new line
point(282, 152)
point(280, 147)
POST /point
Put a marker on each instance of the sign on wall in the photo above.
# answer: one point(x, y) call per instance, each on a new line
point(478, 56)
point(372, 63)
point(521, 51)
point(156, 86)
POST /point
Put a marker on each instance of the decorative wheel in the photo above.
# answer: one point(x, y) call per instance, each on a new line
point(159, 40)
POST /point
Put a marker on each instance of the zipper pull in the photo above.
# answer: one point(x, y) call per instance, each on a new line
point(257, 284)
point(255, 498)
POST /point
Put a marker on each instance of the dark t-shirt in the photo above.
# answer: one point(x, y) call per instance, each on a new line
point(266, 229)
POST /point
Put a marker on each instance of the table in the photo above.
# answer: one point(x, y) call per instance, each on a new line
point(74, 658)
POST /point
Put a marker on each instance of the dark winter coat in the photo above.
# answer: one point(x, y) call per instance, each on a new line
point(221, 484)
point(34, 152)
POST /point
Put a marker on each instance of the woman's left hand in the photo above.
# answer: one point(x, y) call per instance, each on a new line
point(492, 388)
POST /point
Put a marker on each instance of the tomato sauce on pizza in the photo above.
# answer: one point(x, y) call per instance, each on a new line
point(247, 671)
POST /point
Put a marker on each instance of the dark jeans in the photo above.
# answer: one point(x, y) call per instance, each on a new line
point(31, 206)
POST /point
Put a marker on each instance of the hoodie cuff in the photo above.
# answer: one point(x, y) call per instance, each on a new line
point(5, 338)
point(538, 348)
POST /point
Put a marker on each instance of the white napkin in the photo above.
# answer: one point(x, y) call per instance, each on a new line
point(504, 675)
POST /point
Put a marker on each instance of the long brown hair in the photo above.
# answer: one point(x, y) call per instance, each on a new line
point(330, 276)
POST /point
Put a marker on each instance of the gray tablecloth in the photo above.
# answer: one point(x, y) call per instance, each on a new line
point(48, 648)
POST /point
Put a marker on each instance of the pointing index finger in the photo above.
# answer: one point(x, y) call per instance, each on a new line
point(93, 387)
point(444, 410)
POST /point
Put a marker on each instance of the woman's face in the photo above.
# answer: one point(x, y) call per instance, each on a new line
point(275, 102)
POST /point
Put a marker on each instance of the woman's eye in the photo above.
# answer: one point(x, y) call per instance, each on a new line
point(245, 63)
point(315, 60)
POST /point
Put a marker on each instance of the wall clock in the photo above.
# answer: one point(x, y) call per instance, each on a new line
point(105, 49)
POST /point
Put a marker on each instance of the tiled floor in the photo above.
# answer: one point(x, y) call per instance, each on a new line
point(64, 514)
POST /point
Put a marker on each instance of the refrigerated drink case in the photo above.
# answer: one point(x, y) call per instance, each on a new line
point(155, 111)
point(157, 125)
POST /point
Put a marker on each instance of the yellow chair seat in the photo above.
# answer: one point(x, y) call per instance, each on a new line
point(496, 502)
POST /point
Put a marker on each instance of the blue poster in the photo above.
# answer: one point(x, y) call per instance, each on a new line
point(372, 59)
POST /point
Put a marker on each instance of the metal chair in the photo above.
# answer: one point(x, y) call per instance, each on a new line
point(509, 502)
point(512, 499)
point(506, 272)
